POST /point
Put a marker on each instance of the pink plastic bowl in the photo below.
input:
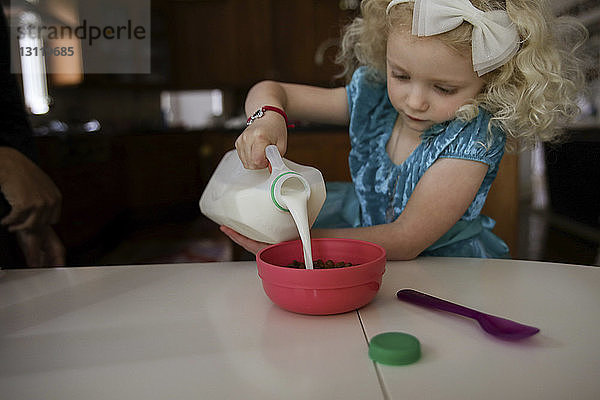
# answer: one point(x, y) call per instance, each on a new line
point(322, 291)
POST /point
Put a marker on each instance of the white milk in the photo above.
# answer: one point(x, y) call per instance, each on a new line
point(296, 199)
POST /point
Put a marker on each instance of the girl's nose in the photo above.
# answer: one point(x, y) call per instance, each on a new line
point(417, 100)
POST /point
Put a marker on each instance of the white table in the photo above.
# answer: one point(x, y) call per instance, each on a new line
point(461, 361)
point(207, 331)
point(186, 331)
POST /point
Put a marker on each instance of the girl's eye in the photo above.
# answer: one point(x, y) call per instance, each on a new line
point(402, 77)
point(445, 90)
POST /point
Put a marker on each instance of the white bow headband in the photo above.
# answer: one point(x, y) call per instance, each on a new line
point(495, 39)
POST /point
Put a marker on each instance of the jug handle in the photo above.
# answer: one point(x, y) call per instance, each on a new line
point(272, 153)
point(281, 173)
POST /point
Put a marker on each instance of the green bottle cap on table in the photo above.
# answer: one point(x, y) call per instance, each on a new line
point(394, 348)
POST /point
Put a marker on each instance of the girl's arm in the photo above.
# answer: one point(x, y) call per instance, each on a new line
point(300, 102)
point(439, 200)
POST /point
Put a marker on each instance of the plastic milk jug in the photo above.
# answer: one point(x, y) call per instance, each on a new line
point(259, 204)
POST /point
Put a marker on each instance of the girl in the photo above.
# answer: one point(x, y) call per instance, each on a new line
point(438, 88)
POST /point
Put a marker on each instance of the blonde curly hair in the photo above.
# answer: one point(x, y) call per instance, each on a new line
point(530, 97)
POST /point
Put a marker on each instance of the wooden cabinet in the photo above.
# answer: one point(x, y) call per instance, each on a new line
point(325, 149)
point(160, 171)
point(235, 43)
point(305, 37)
point(114, 183)
point(232, 44)
point(87, 171)
point(217, 43)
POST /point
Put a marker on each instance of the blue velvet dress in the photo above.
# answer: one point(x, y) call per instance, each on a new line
point(380, 189)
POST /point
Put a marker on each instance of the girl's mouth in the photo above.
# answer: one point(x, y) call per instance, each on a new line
point(415, 119)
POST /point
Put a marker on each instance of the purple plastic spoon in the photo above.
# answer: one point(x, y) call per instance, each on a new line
point(499, 327)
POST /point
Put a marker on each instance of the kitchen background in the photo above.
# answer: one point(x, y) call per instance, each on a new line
point(131, 153)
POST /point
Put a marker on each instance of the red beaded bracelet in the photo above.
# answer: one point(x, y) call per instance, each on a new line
point(261, 112)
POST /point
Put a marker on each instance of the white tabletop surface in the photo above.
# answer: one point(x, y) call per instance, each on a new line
point(207, 331)
point(185, 331)
point(461, 361)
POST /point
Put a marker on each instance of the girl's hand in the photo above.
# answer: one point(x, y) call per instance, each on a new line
point(251, 245)
point(300, 102)
point(251, 144)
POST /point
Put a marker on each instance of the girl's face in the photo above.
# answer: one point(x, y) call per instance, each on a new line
point(426, 80)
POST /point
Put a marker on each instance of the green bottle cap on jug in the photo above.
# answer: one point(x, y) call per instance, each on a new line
point(394, 348)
